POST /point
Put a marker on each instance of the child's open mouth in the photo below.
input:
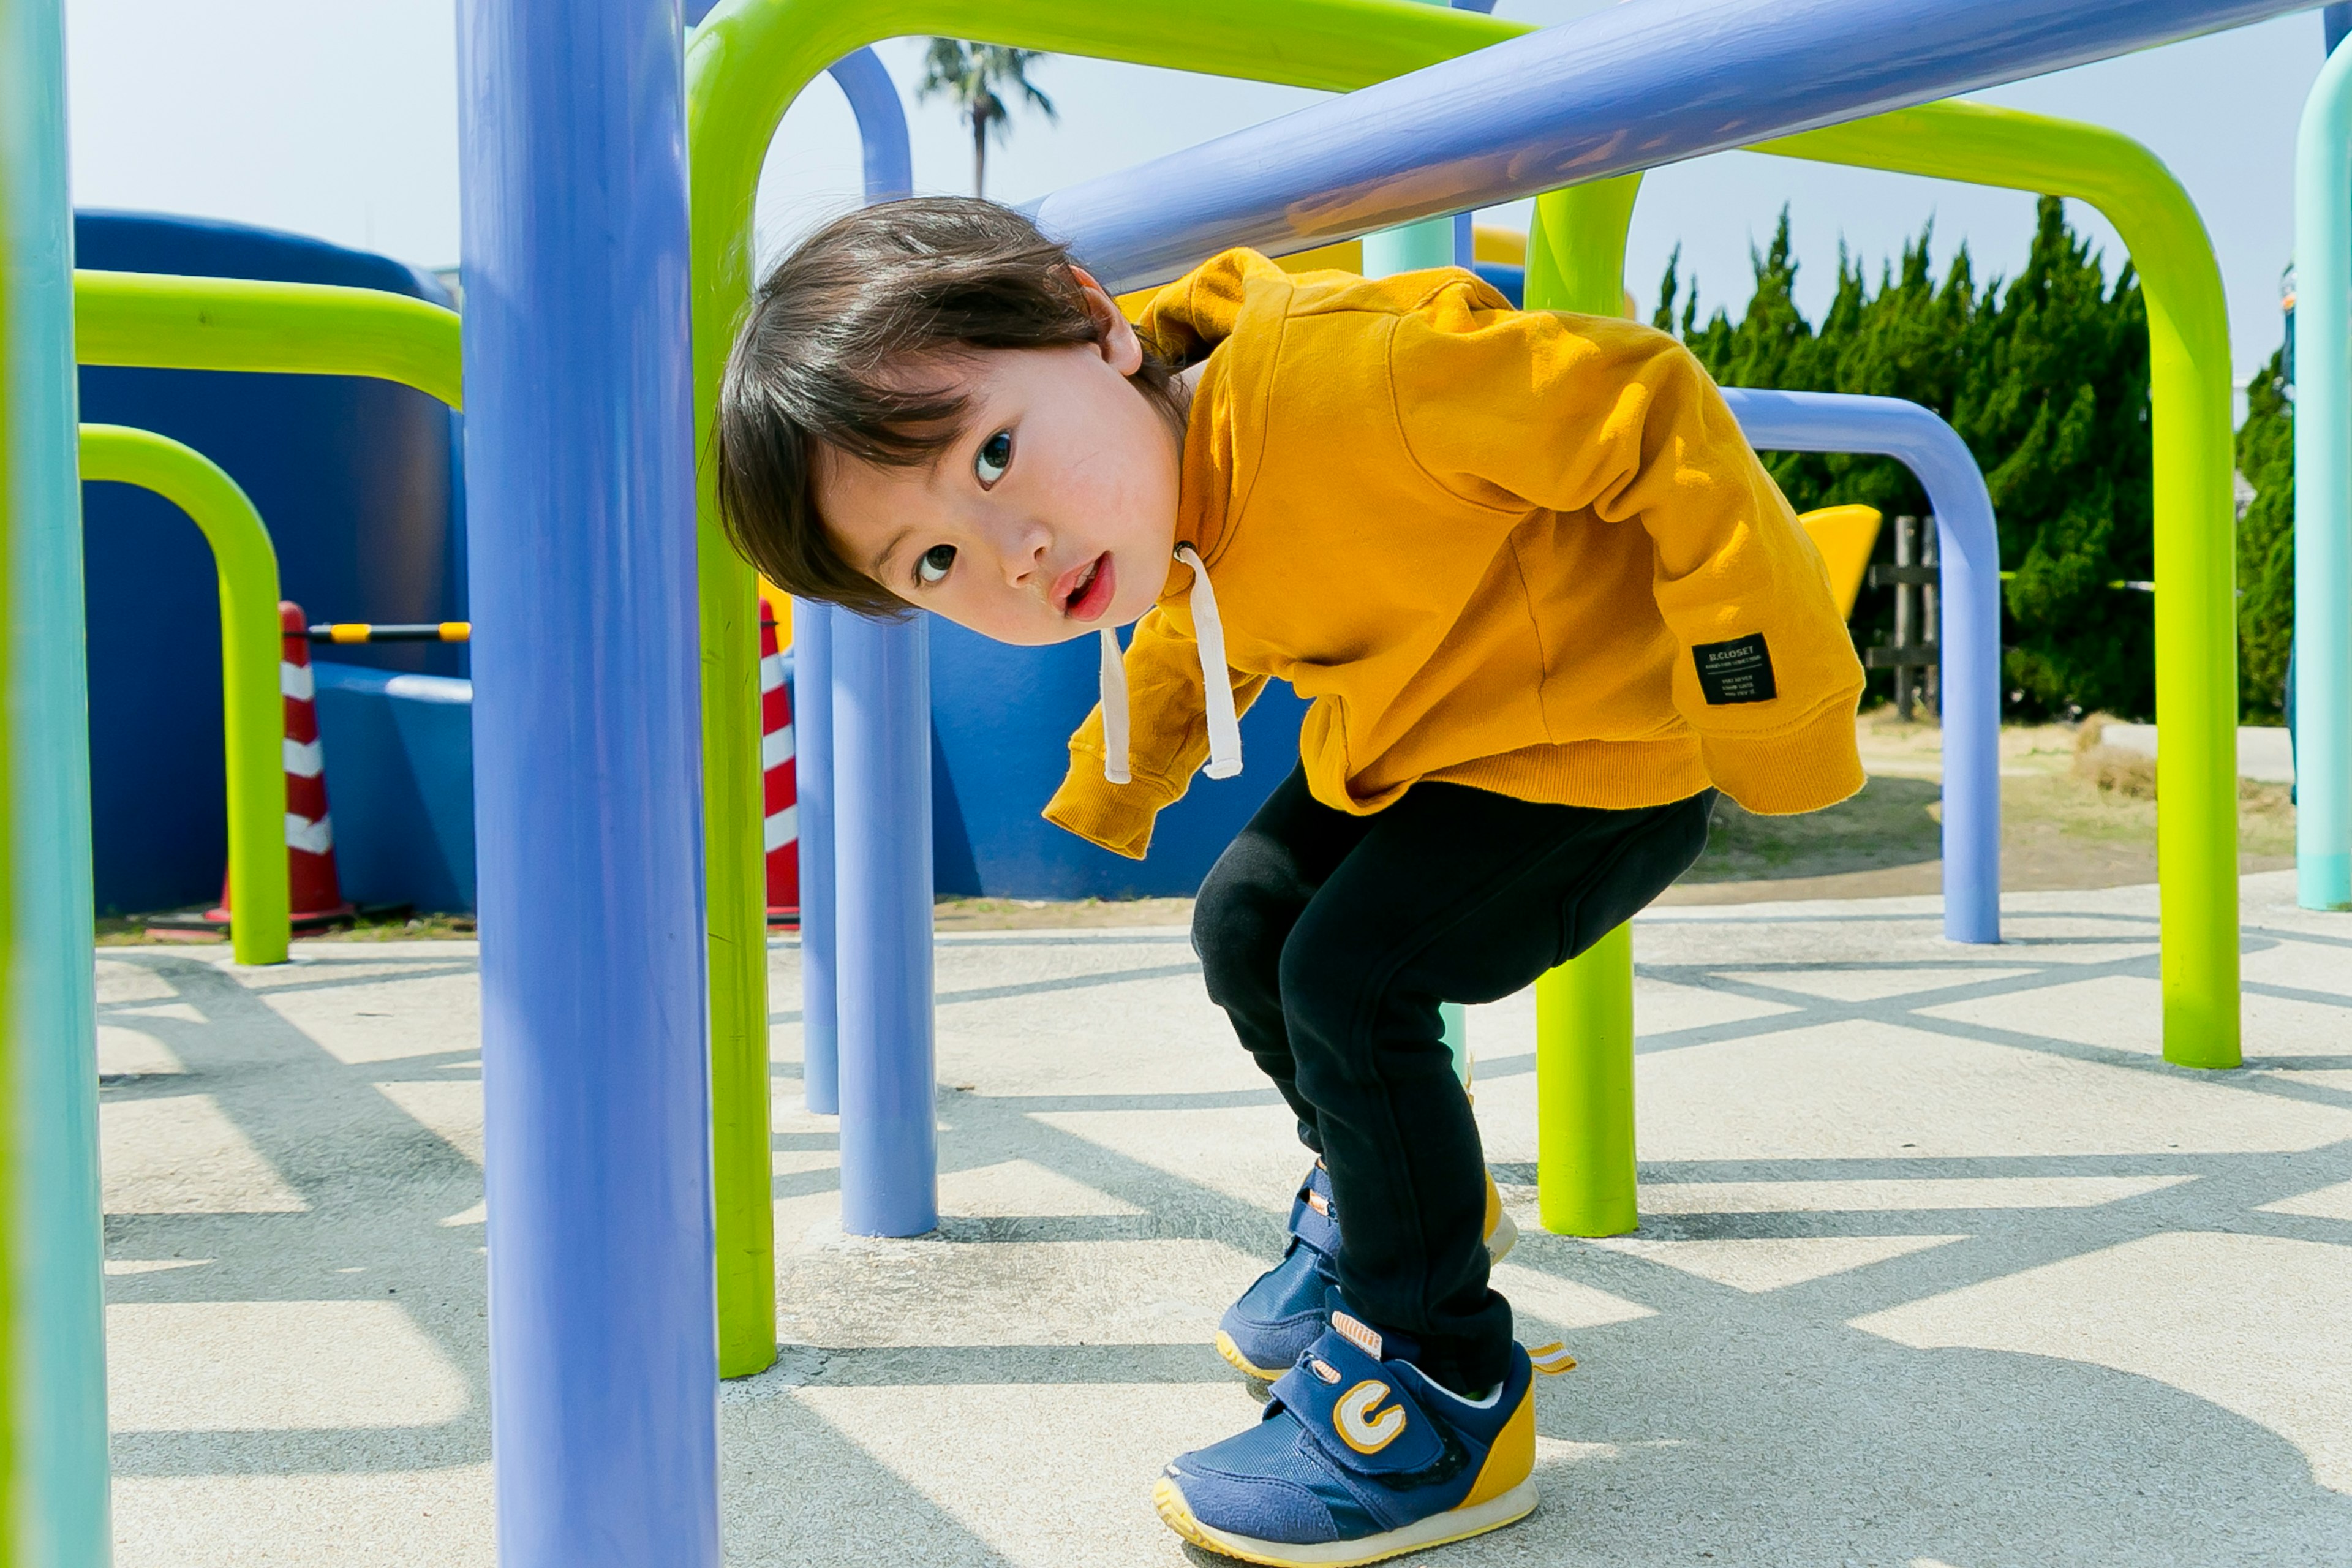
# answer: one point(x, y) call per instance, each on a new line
point(1086, 596)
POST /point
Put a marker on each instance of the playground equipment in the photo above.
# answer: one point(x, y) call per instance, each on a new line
point(252, 730)
point(52, 1323)
point(1251, 188)
point(358, 480)
point(2323, 490)
point(577, 211)
point(1547, 109)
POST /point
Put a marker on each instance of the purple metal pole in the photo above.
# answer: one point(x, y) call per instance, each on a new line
point(1970, 562)
point(889, 175)
point(587, 768)
point(1625, 88)
point(882, 840)
point(813, 774)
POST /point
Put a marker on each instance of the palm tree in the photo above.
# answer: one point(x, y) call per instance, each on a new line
point(970, 76)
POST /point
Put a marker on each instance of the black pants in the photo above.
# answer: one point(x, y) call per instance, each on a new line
point(1329, 939)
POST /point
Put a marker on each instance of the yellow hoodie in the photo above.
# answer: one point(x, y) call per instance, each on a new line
point(1528, 551)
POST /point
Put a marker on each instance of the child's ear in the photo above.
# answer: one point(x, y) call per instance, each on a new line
point(1121, 349)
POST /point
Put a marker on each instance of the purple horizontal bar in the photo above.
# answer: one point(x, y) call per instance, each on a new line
point(1631, 86)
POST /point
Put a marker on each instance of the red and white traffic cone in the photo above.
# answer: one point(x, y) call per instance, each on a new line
point(783, 790)
point(314, 896)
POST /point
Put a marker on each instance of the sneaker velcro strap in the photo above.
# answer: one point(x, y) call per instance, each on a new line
point(1312, 1217)
point(1358, 1410)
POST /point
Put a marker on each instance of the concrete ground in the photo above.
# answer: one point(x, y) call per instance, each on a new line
point(1939, 1264)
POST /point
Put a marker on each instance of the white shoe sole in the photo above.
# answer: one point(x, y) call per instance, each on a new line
point(1437, 1529)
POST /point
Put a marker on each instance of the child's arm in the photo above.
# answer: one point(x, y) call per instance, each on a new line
point(1571, 413)
point(1170, 731)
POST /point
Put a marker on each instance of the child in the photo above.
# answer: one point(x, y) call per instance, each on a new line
point(1545, 601)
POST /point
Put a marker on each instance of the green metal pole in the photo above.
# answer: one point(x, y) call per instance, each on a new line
point(1585, 1009)
point(55, 1355)
point(2196, 604)
point(253, 716)
point(1584, 1091)
point(2323, 491)
point(746, 63)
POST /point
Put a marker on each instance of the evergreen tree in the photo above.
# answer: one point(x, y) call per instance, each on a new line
point(2046, 379)
point(2266, 544)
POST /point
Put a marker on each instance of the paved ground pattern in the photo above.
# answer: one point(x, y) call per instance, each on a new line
point(1939, 1264)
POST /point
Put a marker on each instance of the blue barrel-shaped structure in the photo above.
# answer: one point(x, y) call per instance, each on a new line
point(356, 482)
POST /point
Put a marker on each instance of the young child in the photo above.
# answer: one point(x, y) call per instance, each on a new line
point(1545, 602)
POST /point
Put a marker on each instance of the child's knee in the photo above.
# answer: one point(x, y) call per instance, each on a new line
point(1239, 920)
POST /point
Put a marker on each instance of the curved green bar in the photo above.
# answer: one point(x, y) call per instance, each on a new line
point(55, 1353)
point(746, 63)
point(2323, 491)
point(164, 322)
point(2196, 518)
point(253, 718)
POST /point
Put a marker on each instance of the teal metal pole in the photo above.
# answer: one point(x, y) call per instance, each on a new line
point(2323, 490)
point(56, 1353)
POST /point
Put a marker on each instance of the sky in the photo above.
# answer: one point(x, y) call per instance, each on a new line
point(339, 121)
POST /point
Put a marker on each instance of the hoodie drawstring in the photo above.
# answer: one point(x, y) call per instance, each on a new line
point(1216, 685)
point(1114, 707)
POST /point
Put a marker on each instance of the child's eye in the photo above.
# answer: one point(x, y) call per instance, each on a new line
point(995, 456)
point(935, 563)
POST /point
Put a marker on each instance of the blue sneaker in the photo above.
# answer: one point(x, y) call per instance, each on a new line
point(1285, 1311)
point(1358, 1457)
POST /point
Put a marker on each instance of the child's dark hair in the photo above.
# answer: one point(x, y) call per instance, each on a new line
point(880, 290)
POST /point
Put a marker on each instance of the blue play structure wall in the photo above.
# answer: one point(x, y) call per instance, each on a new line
point(1001, 724)
point(354, 479)
point(400, 782)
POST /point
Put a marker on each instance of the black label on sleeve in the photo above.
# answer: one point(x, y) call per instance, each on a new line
point(1736, 671)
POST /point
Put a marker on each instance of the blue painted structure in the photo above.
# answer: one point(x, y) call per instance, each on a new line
point(882, 773)
point(1625, 88)
point(588, 790)
point(1969, 606)
point(889, 173)
point(399, 765)
point(356, 480)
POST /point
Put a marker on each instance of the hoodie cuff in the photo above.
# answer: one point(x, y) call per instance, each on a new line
point(1817, 764)
point(1117, 816)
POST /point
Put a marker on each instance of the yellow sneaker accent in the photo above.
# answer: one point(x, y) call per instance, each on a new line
point(1502, 1232)
point(1552, 1360)
point(1437, 1529)
point(1512, 1459)
point(1233, 1354)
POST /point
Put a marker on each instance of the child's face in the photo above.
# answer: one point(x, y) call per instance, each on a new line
point(1052, 514)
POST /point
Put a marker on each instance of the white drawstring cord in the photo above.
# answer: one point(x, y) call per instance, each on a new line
point(1114, 709)
point(1216, 686)
point(1217, 683)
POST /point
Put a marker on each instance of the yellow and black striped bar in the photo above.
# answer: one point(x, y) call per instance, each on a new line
point(421, 631)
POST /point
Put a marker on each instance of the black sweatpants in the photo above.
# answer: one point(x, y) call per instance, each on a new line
point(1329, 939)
